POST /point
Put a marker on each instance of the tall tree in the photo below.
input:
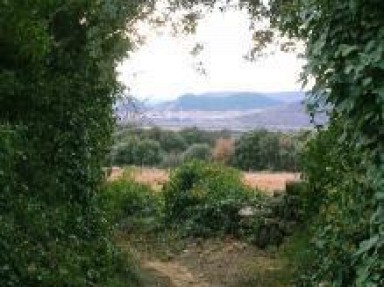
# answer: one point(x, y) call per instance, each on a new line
point(57, 86)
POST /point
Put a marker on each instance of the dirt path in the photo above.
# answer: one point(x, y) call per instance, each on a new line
point(217, 263)
point(179, 275)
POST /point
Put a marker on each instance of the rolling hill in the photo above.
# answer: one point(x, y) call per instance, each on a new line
point(220, 101)
point(228, 110)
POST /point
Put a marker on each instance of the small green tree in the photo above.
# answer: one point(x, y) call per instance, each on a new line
point(264, 150)
point(134, 151)
point(197, 151)
point(148, 152)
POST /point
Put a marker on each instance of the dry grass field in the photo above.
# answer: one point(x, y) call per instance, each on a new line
point(269, 181)
point(153, 177)
point(156, 178)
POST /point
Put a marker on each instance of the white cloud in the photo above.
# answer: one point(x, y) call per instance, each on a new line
point(164, 69)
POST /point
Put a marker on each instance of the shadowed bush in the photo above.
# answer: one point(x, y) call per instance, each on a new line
point(205, 199)
point(132, 205)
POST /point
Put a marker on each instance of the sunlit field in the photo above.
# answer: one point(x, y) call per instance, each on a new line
point(267, 182)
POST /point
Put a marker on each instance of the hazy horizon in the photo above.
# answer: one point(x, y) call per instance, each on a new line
point(218, 92)
point(163, 69)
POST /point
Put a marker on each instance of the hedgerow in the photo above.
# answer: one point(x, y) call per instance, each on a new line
point(57, 87)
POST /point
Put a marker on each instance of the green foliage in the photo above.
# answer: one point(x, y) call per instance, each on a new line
point(51, 244)
point(57, 86)
point(205, 199)
point(197, 152)
point(344, 41)
point(194, 135)
point(126, 200)
point(172, 141)
point(264, 150)
point(336, 174)
point(159, 147)
point(133, 151)
point(172, 160)
point(256, 150)
point(58, 246)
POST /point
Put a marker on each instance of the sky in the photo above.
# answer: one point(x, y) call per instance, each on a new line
point(163, 67)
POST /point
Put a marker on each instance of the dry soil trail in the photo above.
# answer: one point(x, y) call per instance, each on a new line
point(179, 275)
point(218, 263)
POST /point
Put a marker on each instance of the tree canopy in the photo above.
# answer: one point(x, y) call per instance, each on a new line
point(57, 86)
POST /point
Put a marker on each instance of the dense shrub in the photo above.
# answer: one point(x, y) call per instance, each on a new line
point(338, 187)
point(255, 150)
point(46, 243)
point(59, 246)
point(167, 149)
point(123, 199)
point(197, 152)
point(195, 135)
point(133, 151)
point(344, 41)
point(171, 141)
point(172, 160)
point(205, 199)
point(57, 87)
point(264, 150)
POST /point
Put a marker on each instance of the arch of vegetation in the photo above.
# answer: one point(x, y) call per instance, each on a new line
point(57, 87)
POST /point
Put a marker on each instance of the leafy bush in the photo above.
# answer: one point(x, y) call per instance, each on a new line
point(172, 160)
point(298, 204)
point(139, 152)
point(197, 152)
point(338, 204)
point(205, 199)
point(171, 141)
point(130, 204)
point(59, 246)
point(47, 243)
point(344, 50)
point(265, 150)
point(167, 148)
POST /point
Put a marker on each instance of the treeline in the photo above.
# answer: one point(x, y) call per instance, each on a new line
point(165, 148)
point(255, 150)
point(265, 150)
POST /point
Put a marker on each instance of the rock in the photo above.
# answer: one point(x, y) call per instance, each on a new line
point(247, 211)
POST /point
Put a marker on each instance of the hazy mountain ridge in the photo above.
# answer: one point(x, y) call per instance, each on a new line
point(228, 101)
point(230, 110)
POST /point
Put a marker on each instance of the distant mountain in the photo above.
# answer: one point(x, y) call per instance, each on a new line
point(285, 117)
point(220, 101)
point(223, 110)
point(287, 97)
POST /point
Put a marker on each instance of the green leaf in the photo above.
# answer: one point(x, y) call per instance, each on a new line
point(367, 245)
point(346, 50)
point(380, 195)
